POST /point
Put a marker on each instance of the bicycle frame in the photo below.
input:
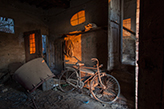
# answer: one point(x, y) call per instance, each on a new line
point(103, 87)
point(91, 76)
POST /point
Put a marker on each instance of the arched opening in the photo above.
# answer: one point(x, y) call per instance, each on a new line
point(78, 18)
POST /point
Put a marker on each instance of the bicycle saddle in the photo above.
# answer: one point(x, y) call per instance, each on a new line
point(80, 64)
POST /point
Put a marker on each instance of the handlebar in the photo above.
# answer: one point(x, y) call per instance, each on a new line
point(95, 59)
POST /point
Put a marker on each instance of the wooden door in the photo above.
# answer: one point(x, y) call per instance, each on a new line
point(33, 44)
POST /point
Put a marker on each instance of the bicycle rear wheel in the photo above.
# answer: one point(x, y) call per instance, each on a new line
point(68, 80)
point(110, 93)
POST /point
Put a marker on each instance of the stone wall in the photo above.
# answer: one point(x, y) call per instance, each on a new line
point(94, 44)
point(26, 18)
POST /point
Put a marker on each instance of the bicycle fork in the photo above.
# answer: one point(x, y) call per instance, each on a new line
point(79, 84)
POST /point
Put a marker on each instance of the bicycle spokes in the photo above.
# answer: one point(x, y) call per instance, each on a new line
point(68, 80)
point(108, 94)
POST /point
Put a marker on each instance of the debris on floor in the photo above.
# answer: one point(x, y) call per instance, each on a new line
point(36, 77)
point(16, 98)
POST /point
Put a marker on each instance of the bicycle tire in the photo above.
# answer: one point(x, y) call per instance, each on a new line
point(108, 95)
point(67, 79)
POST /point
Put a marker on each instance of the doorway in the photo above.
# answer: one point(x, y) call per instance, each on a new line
point(72, 49)
point(44, 47)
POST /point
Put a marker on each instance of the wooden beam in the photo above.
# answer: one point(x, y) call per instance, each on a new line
point(91, 30)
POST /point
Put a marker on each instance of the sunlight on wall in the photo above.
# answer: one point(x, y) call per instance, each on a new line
point(127, 24)
point(32, 43)
point(78, 18)
point(72, 48)
point(137, 53)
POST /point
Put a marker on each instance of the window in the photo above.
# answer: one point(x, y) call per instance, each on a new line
point(78, 18)
point(127, 24)
point(32, 43)
point(6, 25)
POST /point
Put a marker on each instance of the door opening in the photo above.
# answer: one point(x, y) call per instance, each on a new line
point(72, 48)
point(44, 49)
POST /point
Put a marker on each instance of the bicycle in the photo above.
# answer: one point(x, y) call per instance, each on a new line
point(103, 87)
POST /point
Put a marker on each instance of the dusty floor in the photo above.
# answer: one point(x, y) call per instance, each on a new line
point(12, 96)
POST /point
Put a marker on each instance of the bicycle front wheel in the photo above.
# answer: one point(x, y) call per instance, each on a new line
point(110, 93)
point(68, 80)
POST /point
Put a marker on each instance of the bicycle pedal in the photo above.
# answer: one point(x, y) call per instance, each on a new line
point(81, 85)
